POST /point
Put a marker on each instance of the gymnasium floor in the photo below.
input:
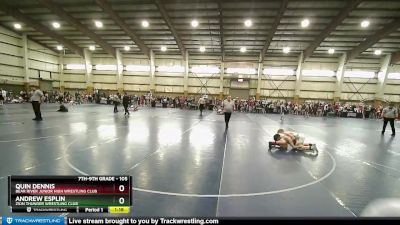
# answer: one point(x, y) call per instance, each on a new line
point(185, 165)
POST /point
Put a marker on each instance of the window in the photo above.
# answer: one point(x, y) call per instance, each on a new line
point(318, 73)
point(204, 69)
point(279, 71)
point(106, 67)
point(242, 70)
point(75, 66)
point(137, 68)
point(394, 76)
point(359, 74)
point(171, 69)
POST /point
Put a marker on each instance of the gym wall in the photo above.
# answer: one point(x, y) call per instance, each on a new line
point(42, 62)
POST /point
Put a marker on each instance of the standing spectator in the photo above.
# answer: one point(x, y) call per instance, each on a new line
point(372, 114)
point(36, 99)
point(325, 109)
point(282, 110)
point(308, 110)
point(389, 114)
point(1, 97)
point(228, 107)
point(176, 102)
point(181, 102)
point(4, 94)
point(295, 108)
point(319, 110)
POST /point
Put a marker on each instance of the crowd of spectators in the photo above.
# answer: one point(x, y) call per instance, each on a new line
point(310, 108)
point(183, 102)
point(9, 96)
point(251, 105)
point(49, 97)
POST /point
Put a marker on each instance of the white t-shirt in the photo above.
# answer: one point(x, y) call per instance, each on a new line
point(228, 106)
point(37, 96)
point(202, 101)
point(390, 112)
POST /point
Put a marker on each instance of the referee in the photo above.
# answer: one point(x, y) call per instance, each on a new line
point(36, 99)
point(389, 114)
point(228, 107)
point(201, 103)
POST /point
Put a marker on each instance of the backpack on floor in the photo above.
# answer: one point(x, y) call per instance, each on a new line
point(63, 109)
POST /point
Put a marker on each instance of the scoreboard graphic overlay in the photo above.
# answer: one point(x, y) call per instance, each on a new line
point(75, 194)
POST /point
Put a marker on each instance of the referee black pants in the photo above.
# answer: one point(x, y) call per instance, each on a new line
point(126, 108)
point(201, 107)
point(36, 110)
point(385, 122)
point(227, 118)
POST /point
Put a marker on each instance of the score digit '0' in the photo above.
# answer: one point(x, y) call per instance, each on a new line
point(121, 201)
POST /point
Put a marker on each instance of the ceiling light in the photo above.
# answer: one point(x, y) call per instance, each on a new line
point(145, 23)
point(163, 48)
point(56, 25)
point(17, 26)
point(248, 23)
point(59, 47)
point(194, 23)
point(98, 24)
point(243, 49)
point(286, 49)
point(378, 52)
point(331, 51)
point(127, 48)
point(305, 23)
point(202, 49)
point(365, 23)
point(92, 48)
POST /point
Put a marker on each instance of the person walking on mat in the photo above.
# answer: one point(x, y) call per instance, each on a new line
point(126, 100)
point(116, 101)
point(201, 104)
point(389, 114)
point(36, 99)
point(228, 108)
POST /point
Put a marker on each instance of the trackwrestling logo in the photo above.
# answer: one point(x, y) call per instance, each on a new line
point(22, 220)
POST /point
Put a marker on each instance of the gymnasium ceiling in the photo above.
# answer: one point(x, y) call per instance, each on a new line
point(275, 24)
